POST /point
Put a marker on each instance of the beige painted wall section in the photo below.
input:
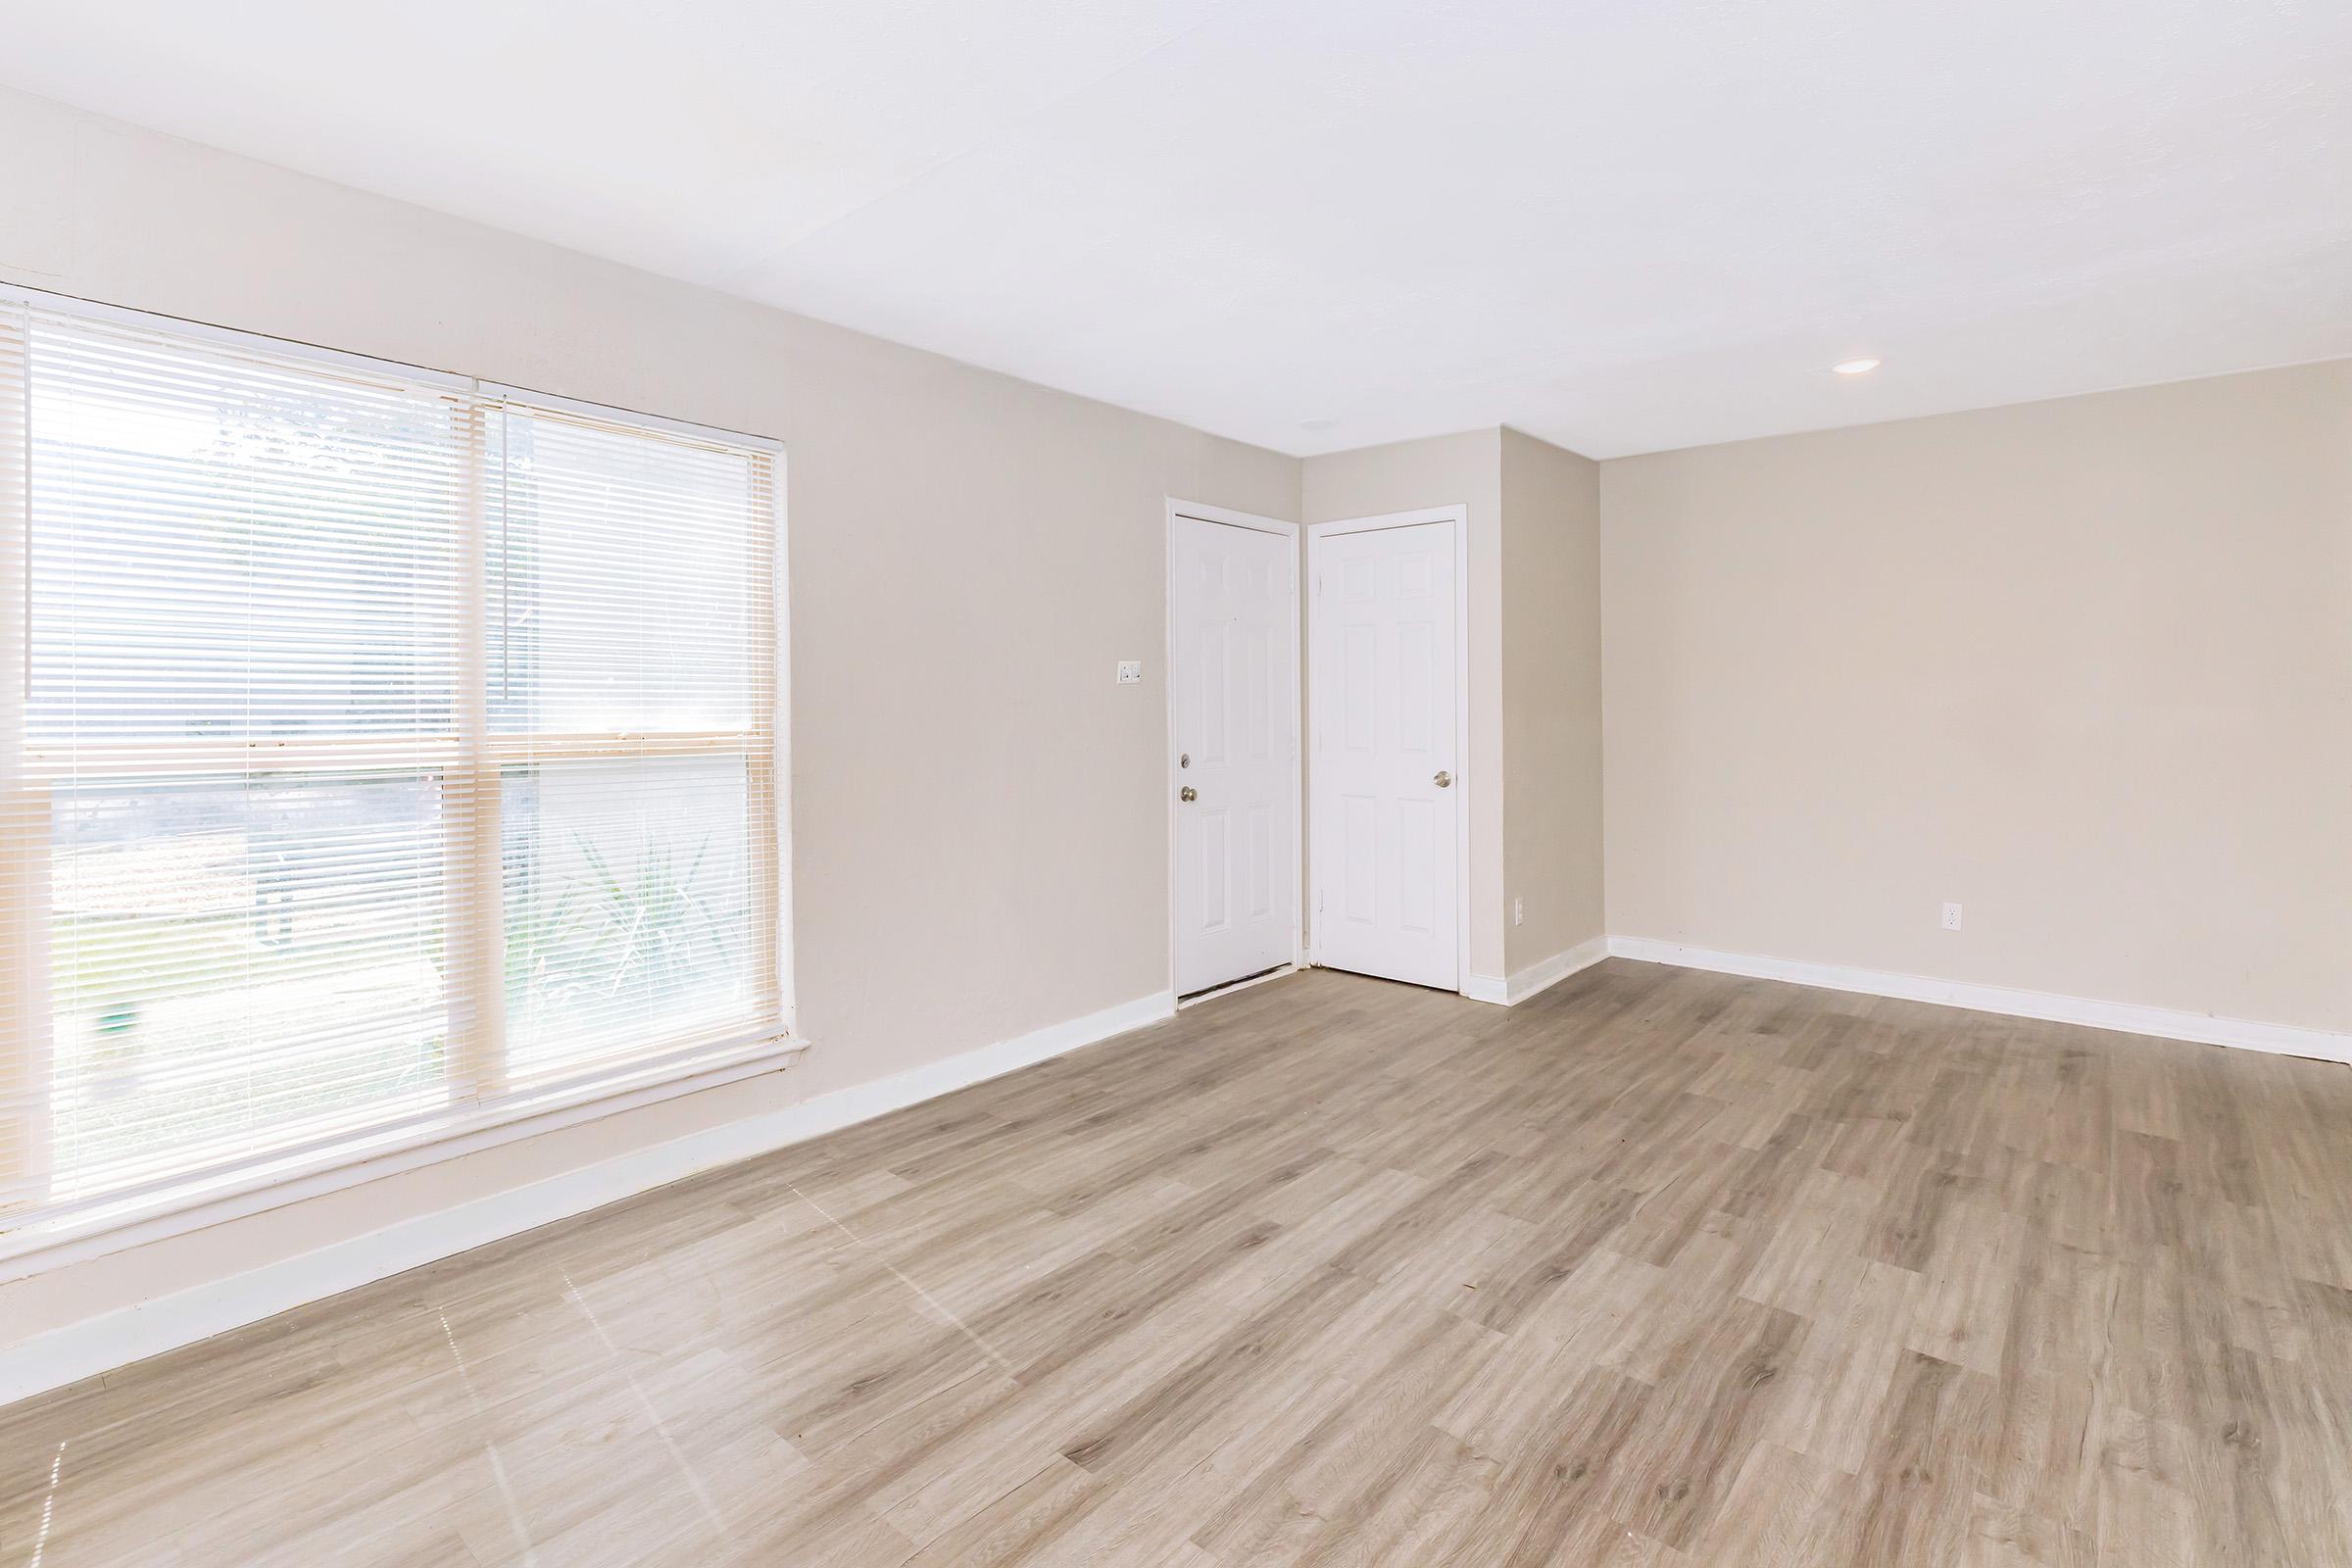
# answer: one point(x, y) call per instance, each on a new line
point(1551, 700)
point(1464, 470)
point(2084, 666)
point(979, 824)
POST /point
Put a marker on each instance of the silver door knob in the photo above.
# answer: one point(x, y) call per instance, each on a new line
point(1187, 793)
point(1443, 780)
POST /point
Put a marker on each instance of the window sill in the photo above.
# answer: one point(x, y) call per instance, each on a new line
point(71, 1239)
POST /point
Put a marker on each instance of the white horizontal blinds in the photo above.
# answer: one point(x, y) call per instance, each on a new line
point(625, 564)
point(229, 548)
point(631, 591)
point(242, 630)
point(376, 757)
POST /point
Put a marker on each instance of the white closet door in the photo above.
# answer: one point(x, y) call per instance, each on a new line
point(1383, 765)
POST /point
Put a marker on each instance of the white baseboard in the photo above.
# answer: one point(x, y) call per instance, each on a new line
point(134, 1332)
point(1535, 976)
point(2288, 1040)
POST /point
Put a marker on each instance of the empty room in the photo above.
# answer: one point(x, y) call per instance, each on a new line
point(1181, 784)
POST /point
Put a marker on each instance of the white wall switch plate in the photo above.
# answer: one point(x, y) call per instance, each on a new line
point(1131, 671)
point(1951, 917)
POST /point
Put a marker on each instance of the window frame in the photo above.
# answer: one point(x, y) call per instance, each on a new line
point(479, 1109)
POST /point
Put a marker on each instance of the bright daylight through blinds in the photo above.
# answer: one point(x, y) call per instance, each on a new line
point(381, 756)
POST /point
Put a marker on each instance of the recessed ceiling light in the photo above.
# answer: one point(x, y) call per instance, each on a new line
point(1316, 424)
point(1855, 367)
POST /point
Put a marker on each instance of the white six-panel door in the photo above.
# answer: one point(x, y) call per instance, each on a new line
point(1382, 768)
point(1234, 692)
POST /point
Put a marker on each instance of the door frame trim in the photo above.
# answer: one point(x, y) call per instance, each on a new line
point(1458, 515)
point(1198, 511)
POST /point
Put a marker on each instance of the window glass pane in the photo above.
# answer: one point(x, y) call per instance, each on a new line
point(227, 548)
point(621, 570)
point(629, 916)
point(237, 964)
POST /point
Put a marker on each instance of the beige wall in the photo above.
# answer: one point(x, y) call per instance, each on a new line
point(2084, 666)
point(1444, 470)
point(979, 824)
point(1551, 697)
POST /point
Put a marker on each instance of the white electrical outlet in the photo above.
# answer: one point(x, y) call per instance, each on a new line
point(1951, 917)
point(1518, 911)
point(1131, 671)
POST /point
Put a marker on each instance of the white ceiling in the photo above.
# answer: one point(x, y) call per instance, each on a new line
point(1619, 225)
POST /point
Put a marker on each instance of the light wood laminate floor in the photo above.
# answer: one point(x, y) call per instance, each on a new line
point(1659, 1268)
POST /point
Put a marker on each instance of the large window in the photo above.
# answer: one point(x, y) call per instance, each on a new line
point(384, 758)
